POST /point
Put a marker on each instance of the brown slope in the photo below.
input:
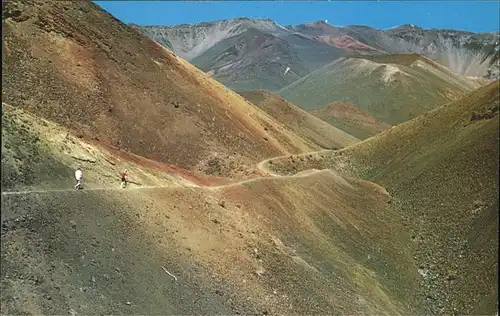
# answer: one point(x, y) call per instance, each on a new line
point(73, 63)
point(248, 248)
point(27, 140)
point(449, 185)
point(299, 121)
point(273, 247)
point(351, 119)
point(442, 170)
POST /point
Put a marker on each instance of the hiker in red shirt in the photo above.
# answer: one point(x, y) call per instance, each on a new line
point(124, 178)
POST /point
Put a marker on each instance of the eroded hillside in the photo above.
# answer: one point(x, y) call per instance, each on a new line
point(38, 154)
point(442, 170)
point(73, 63)
point(307, 47)
point(256, 60)
point(82, 89)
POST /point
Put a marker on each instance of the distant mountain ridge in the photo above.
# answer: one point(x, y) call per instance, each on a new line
point(307, 47)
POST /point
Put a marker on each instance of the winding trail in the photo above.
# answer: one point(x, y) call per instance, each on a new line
point(262, 166)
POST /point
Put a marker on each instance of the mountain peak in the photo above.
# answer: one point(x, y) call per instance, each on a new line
point(320, 22)
point(253, 19)
point(209, 23)
point(410, 26)
point(317, 23)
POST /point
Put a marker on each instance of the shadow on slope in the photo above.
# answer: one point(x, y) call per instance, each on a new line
point(299, 121)
point(38, 154)
point(442, 170)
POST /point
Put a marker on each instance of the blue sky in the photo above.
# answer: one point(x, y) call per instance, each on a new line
point(476, 16)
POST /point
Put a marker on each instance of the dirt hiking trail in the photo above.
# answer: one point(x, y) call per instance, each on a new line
point(261, 166)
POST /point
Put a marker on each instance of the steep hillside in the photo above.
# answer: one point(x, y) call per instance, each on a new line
point(467, 53)
point(169, 244)
point(243, 61)
point(351, 119)
point(255, 59)
point(393, 88)
point(192, 40)
point(73, 63)
point(300, 122)
point(82, 89)
point(441, 168)
point(39, 154)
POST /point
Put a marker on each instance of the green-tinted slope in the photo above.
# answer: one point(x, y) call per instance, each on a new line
point(394, 92)
point(255, 60)
point(443, 167)
point(250, 61)
point(442, 171)
point(26, 158)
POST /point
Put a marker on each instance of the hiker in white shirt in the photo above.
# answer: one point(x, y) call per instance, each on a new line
point(78, 177)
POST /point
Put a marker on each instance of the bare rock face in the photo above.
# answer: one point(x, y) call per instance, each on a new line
point(190, 41)
point(467, 53)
